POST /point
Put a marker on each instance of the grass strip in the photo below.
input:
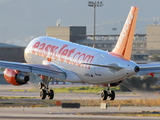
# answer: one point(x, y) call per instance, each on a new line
point(29, 101)
point(3, 98)
point(83, 89)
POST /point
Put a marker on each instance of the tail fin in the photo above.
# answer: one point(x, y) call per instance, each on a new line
point(124, 44)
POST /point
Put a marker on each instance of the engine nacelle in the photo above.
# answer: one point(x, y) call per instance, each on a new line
point(14, 77)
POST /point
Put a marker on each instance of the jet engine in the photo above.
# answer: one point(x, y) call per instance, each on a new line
point(15, 77)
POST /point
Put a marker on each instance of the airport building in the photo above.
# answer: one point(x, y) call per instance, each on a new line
point(70, 33)
point(153, 39)
point(10, 53)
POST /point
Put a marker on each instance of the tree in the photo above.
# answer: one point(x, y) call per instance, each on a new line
point(131, 84)
point(155, 57)
point(137, 83)
point(149, 81)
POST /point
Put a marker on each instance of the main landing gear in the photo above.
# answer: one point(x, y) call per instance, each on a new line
point(107, 93)
point(44, 90)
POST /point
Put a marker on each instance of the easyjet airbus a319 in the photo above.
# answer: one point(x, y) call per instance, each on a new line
point(54, 58)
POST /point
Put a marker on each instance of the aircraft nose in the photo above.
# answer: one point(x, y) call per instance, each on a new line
point(136, 69)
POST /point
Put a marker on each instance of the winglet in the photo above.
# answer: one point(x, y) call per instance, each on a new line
point(123, 47)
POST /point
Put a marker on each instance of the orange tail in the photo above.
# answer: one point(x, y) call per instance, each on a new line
point(124, 45)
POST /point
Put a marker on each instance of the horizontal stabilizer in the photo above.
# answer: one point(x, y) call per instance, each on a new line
point(108, 66)
point(150, 69)
point(149, 66)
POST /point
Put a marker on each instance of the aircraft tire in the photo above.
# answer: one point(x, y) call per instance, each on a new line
point(104, 95)
point(112, 95)
point(43, 94)
point(50, 94)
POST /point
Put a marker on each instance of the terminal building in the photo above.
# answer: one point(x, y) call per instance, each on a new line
point(10, 53)
point(153, 39)
point(70, 33)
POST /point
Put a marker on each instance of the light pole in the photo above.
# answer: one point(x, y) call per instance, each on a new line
point(114, 29)
point(94, 5)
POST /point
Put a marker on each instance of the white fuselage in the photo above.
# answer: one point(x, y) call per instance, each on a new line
point(70, 56)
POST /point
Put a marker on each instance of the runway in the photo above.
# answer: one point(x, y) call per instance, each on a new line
point(79, 118)
point(58, 113)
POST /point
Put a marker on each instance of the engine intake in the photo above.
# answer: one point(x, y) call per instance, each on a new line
point(15, 77)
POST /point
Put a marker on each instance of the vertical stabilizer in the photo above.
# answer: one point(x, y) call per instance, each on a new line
point(124, 44)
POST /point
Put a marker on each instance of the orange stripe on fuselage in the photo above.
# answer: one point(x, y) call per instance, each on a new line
point(125, 41)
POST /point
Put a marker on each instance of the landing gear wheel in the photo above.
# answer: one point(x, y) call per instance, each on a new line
point(43, 94)
point(50, 94)
point(104, 95)
point(44, 88)
point(111, 95)
point(40, 85)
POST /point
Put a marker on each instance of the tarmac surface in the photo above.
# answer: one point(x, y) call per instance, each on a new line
point(59, 113)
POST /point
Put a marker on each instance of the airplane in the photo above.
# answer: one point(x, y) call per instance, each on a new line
point(52, 58)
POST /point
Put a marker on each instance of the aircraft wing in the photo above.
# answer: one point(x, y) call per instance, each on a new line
point(37, 69)
point(149, 68)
